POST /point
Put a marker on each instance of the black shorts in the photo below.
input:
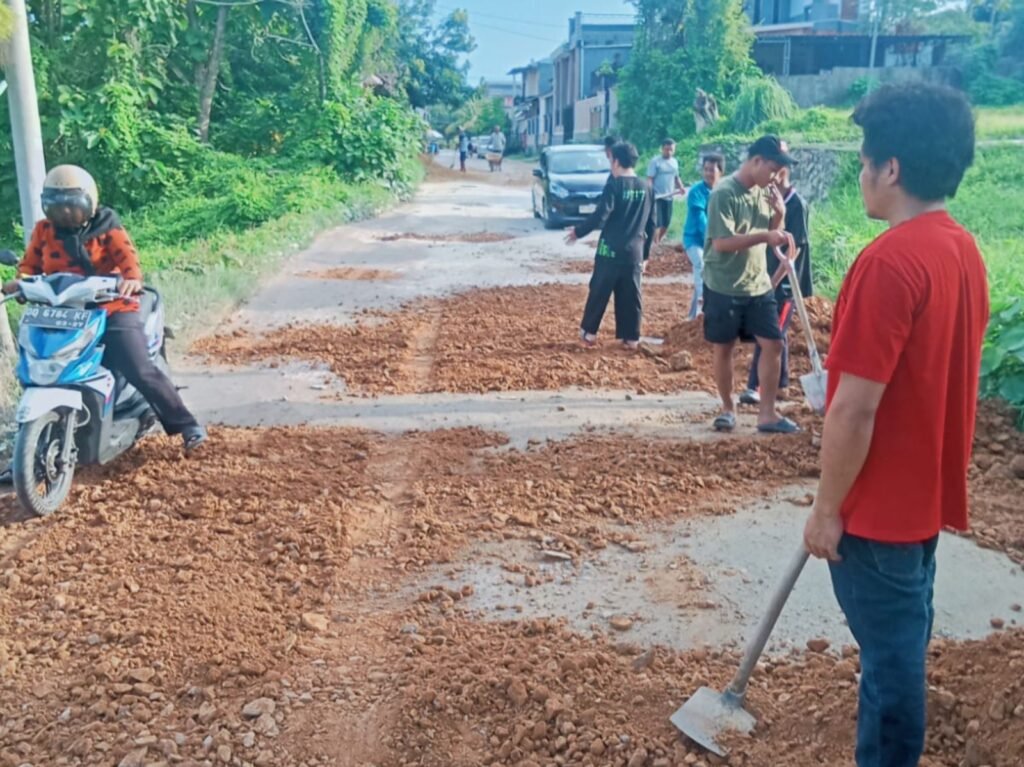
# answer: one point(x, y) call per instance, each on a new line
point(663, 213)
point(727, 318)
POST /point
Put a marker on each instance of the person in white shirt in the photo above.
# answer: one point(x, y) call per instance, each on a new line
point(664, 175)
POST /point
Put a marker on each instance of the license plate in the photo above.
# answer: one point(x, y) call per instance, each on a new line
point(586, 210)
point(56, 317)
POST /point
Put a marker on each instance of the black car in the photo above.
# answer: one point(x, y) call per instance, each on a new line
point(568, 183)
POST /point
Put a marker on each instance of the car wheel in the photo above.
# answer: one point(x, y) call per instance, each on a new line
point(533, 204)
point(551, 220)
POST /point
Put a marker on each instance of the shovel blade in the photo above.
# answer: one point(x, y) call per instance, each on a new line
point(708, 714)
point(815, 385)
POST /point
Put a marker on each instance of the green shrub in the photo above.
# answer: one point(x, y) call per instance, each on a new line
point(1002, 360)
point(861, 87)
point(760, 100)
point(992, 90)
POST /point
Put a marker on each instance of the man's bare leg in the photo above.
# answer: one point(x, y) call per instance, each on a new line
point(768, 368)
point(659, 235)
point(723, 374)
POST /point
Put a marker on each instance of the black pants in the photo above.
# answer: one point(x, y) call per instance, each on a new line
point(785, 319)
point(621, 277)
point(126, 353)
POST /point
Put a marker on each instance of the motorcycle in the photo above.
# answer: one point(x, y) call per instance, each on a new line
point(73, 411)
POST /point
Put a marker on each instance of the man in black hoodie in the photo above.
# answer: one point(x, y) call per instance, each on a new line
point(624, 217)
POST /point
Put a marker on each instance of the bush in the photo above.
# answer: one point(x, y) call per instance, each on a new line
point(1002, 361)
point(760, 100)
point(861, 87)
point(992, 90)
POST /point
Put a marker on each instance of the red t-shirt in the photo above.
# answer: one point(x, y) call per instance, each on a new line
point(912, 314)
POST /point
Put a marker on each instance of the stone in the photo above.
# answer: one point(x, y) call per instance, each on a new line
point(680, 361)
point(134, 758)
point(638, 759)
point(517, 692)
point(141, 674)
point(818, 645)
point(997, 623)
point(249, 739)
point(266, 725)
point(258, 707)
point(621, 623)
point(264, 759)
point(224, 754)
point(1017, 466)
point(207, 711)
point(315, 622)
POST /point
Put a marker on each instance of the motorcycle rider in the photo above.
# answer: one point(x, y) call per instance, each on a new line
point(80, 237)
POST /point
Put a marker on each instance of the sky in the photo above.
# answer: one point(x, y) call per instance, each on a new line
point(509, 33)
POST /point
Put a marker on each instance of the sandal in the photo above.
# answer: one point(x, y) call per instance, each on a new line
point(631, 346)
point(725, 422)
point(782, 426)
point(587, 340)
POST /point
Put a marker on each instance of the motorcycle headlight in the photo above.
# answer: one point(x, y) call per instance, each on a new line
point(45, 372)
point(558, 190)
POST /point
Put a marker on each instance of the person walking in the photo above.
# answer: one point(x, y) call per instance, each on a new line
point(498, 144)
point(903, 365)
point(696, 227)
point(663, 171)
point(745, 215)
point(624, 216)
point(796, 222)
point(463, 149)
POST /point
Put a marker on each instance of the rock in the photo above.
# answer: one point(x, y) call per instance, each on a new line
point(264, 759)
point(134, 758)
point(818, 645)
point(558, 556)
point(141, 674)
point(517, 692)
point(257, 708)
point(621, 623)
point(643, 662)
point(997, 623)
point(597, 747)
point(681, 361)
point(1015, 608)
point(266, 725)
point(1017, 466)
point(207, 711)
point(315, 622)
point(224, 754)
point(249, 740)
point(997, 710)
point(638, 759)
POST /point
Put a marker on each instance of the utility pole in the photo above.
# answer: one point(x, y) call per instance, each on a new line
point(27, 137)
point(26, 134)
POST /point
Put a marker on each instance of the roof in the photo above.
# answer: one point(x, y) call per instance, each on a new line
point(530, 67)
point(851, 36)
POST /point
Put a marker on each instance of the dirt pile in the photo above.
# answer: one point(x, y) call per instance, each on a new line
point(503, 339)
point(996, 481)
point(591, 492)
point(534, 693)
point(665, 261)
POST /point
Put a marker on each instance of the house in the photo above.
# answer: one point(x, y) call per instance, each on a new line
point(530, 128)
point(584, 69)
point(818, 49)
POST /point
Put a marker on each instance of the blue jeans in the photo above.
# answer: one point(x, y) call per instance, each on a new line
point(696, 255)
point(885, 591)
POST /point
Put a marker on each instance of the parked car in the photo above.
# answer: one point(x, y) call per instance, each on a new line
point(568, 183)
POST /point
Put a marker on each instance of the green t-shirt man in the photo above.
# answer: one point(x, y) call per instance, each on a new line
point(733, 210)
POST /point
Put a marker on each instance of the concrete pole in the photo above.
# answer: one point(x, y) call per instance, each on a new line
point(25, 131)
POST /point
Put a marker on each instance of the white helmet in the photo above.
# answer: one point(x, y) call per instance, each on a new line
point(70, 197)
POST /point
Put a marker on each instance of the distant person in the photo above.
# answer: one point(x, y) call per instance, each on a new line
point(463, 149)
point(902, 399)
point(624, 216)
point(663, 172)
point(498, 144)
point(797, 214)
point(609, 142)
point(745, 215)
point(696, 227)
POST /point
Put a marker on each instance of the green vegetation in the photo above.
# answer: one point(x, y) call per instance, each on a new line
point(213, 126)
point(760, 100)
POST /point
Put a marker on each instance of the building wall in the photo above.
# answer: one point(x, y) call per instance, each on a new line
point(833, 87)
point(590, 117)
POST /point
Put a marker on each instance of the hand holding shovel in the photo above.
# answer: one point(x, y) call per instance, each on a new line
point(815, 383)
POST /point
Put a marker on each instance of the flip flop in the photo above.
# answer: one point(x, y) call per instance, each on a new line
point(587, 341)
point(782, 426)
point(725, 422)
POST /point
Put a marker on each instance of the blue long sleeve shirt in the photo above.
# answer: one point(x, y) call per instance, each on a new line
point(695, 231)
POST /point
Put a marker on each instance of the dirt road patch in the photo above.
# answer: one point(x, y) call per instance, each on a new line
point(456, 237)
point(351, 273)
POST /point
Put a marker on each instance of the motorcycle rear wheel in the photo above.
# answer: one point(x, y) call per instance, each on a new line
point(40, 480)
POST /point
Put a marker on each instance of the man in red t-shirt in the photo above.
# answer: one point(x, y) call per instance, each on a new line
point(903, 387)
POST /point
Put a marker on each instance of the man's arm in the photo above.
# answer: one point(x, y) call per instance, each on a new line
point(32, 261)
point(597, 219)
point(845, 442)
point(737, 242)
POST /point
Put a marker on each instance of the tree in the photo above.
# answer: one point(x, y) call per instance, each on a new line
point(428, 55)
point(681, 45)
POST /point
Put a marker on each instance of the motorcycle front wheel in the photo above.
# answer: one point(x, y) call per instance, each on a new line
point(41, 479)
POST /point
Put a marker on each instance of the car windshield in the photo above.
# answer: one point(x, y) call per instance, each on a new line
point(578, 162)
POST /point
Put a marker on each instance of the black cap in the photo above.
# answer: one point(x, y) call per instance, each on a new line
point(773, 149)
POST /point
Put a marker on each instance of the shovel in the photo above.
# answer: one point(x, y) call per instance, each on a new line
point(709, 713)
point(815, 383)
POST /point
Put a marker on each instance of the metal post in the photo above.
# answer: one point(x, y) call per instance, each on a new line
point(25, 131)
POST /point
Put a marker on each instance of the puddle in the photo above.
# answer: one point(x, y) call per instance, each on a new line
point(703, 582)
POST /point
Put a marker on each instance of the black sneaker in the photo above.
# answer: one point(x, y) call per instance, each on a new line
point(194, 437)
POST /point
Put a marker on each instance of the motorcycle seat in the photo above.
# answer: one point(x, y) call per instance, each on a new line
point(149, 300)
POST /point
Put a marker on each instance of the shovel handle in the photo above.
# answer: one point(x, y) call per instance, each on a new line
point(737, 688)
point(801, 310)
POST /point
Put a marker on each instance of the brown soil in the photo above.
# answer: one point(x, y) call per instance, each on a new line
point(504, 339)
point(352, 273)
point(477, 175)
point(458, 237)
point(666, 261)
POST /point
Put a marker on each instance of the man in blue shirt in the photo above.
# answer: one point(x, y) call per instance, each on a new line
point(696, 227)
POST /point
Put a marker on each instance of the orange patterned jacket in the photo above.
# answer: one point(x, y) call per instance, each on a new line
point(104, 242)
